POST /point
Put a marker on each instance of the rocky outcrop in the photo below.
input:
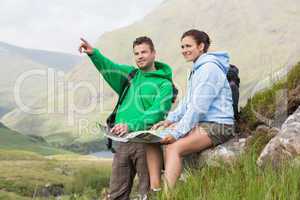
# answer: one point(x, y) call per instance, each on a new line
point(285, 145)
point(231, 150)
point(49, 190)
point(294, 99)
point(226, 152)
point(265, 130)
point(287, 103)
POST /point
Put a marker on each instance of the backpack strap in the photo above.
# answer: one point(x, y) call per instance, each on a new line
point(110, 121)
point(175, 92)
point(126, 86)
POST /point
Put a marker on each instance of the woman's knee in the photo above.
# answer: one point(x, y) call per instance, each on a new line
point(172, 149)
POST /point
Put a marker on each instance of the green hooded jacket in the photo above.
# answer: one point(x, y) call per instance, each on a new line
point(149, 96)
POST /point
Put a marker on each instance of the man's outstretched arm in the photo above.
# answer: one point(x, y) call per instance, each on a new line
point(114, 74)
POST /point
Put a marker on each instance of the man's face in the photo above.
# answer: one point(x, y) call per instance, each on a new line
point(144, 56)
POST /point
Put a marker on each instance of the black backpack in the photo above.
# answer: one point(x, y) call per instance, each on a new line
point(110, 121)
point(234, 82)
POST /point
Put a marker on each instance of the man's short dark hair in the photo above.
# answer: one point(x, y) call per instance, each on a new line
point(143, 40)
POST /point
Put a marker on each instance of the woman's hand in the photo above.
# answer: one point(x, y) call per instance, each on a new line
point(168, 139)
point(172, 126)
point(161, 125)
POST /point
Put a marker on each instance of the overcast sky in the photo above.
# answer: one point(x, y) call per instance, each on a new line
point(58, 24)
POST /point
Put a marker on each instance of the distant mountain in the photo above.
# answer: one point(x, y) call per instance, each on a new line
point(56, 60)
point(262, 38)
point(16, 61)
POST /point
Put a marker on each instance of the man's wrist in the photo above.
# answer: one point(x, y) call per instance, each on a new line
point(92, 52)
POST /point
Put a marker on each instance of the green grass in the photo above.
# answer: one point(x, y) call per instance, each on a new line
point(240, 180)
point(25, 171)
point(19, 155)
point(25, 174)
point(12, 140)
point(11, 196)
point(92, 180)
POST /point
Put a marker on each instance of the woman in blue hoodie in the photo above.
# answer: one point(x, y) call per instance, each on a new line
point(204, 118)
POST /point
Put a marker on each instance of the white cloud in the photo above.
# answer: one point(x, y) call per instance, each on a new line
point(58, 24)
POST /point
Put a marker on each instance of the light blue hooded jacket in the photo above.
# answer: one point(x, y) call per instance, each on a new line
point(208, 98)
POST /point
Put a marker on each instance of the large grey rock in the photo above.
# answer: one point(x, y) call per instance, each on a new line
point(226, 152)
point(285, 145)
point(266, 130)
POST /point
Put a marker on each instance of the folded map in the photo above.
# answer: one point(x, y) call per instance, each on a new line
point(145, 136)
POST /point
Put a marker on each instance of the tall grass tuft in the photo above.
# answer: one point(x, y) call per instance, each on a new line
point(90, 182)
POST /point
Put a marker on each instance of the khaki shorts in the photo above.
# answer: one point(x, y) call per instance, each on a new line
point(218, 133)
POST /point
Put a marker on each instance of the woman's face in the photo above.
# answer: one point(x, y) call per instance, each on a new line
point(190, 49)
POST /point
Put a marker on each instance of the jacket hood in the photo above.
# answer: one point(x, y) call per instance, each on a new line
point(220, 58)
point(162, 70)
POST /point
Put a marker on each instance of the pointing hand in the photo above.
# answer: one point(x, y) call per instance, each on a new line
point(85, 47)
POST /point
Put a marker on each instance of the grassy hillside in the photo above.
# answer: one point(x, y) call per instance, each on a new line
point(26, 175)
point(272, 105)
point(12, 140)
point(12, 196)
point(30, 167)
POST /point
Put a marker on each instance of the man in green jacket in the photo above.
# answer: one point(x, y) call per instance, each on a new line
point(147, 101)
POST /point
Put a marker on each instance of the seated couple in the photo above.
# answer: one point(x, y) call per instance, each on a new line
point(203, 118)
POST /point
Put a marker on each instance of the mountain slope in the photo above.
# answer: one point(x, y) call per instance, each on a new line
point(56, 60)
point(260, 43)
point(16, 62)
point(12, 140)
